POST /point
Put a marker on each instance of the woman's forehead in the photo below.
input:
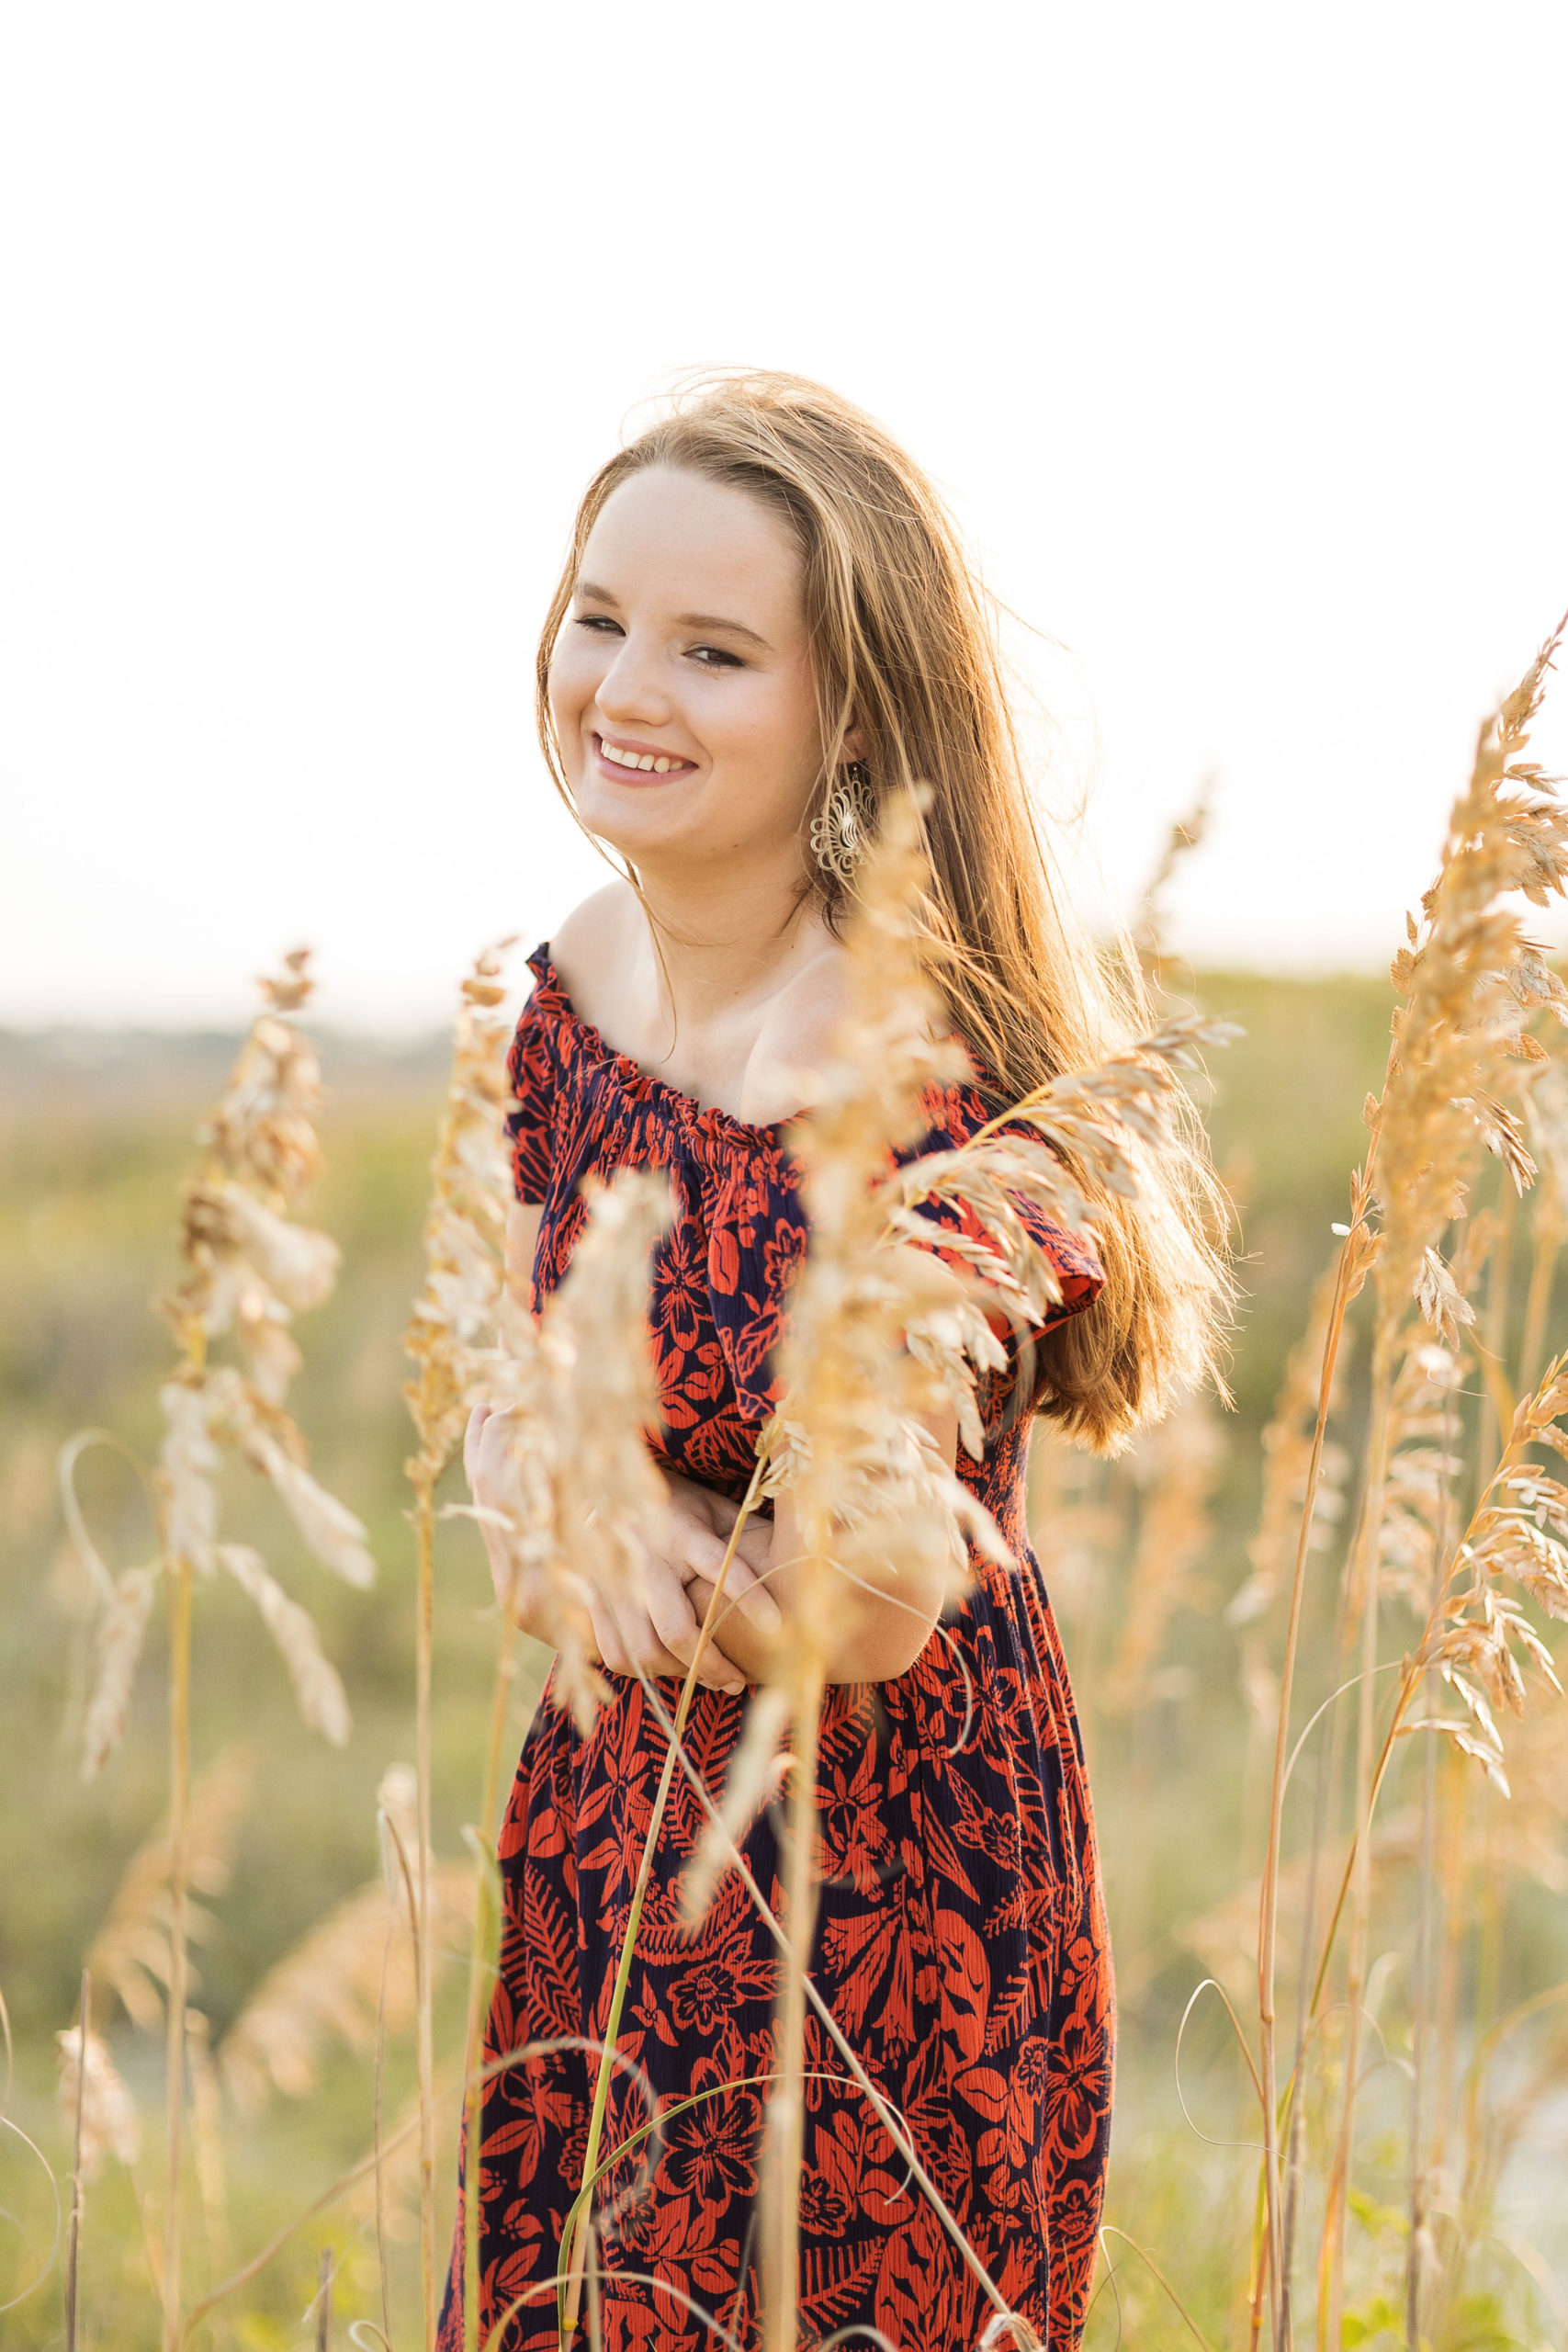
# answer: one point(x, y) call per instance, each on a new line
point(681, 536)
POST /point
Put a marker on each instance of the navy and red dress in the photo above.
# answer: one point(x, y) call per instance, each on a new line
point(961, 1938)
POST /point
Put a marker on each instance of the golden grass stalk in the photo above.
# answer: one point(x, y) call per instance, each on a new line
point(881, 1338)
point(178, 1575)
point(323, 1704)
point(121, 1631)
point(207, 2135)
point(580, 1498)
point(130, 1953)
point(247, 1269)
point(1176, 1466)
point(76, 2107)
point(1470, 981)
point(329, 1986)
point(1547, 1123)
point(1185, 835)
point(1291, 1462)
point(94, 2095)
point(847, 1446)
point(453, 1318)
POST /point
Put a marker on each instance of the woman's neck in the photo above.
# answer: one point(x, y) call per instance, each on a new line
point(723, 946)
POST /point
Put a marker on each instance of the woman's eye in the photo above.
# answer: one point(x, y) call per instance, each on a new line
point(714, 657)
point(597, 621)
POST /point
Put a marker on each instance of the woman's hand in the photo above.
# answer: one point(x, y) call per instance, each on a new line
point(660, 1638)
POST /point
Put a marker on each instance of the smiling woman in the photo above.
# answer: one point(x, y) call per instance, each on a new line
point(682, 697)
point(766, 627)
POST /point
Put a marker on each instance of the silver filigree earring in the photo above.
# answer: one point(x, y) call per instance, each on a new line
point(841, 832)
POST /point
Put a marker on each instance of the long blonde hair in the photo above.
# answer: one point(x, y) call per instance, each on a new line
point(904, 651)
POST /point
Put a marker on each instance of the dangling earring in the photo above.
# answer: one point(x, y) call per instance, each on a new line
point(843, 829)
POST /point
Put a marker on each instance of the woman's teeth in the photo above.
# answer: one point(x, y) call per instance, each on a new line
point(639, 759)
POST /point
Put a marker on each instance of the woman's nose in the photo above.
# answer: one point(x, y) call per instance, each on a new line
point(632, 690)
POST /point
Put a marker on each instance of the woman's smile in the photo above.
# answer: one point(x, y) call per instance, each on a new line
point(625, 758)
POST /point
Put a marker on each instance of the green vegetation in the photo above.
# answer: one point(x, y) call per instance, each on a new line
point(92, 1153)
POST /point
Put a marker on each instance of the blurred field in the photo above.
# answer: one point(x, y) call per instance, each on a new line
point(93, 1141)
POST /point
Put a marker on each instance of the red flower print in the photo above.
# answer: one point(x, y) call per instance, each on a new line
point(1078, 2087)
point(824, 2210)
point(702, 2000)
point(854, 1840)
point(710, 2151)
point(1013, 2100)
point(679, 1303)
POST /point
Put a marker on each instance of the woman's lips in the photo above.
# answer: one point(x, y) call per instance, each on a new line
point(629, 767)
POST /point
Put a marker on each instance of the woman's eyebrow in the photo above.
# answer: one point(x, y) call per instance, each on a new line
point(598, 595)
point(716, 620)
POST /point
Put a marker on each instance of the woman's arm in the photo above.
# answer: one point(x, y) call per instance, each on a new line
point(523, 1220)
point(875, 1636)
point(878, 1635)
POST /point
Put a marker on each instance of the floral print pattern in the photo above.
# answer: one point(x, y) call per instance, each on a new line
point(961, 1939)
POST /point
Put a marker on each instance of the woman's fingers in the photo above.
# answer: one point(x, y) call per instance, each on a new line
point(697, 1550)
point(629, 1642)
point(471, 1436)
point(751, 1596)
point(670, 1609)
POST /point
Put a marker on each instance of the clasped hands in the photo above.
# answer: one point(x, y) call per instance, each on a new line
point(660, 1638)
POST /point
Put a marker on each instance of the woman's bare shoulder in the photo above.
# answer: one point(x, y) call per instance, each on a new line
point(589, 948)
point(795, 1041)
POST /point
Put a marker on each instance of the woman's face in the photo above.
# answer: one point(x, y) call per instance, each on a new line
point(682, 683)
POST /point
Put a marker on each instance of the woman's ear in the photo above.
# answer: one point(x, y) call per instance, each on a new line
point(854, 744)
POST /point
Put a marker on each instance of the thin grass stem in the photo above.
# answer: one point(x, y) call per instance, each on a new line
point(573, 2262)
point(425, 1537)
point(887, 2116)
point(1268, 1904)
point(73, 2229)
point(481, 1957)
point(1364, 1569)
point(178, 1581)
point(1537, 1303)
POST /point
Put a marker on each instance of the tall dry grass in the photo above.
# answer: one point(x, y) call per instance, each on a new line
point(1410, 1450)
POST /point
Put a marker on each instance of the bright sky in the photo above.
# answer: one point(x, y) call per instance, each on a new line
point(1236, 336)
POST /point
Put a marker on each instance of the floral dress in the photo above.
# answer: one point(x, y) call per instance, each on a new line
point(961, 1940)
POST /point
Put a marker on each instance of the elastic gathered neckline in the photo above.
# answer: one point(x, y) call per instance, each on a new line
point(699, 1119)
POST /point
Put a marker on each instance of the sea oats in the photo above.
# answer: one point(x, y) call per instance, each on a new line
point(110, 2123)
point(1176, 1466)
point(121, 1629)
point(317, 1684)
point(613, 1502)
point(130, 1953)
point(450, 1332)
point(271, 1444)
point(298, 1265)
point(1469, 984)
point(190, 1462)
point(328, 1988)
point(454, 1317)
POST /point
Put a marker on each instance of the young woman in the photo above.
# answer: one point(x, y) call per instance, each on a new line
point(765, 625)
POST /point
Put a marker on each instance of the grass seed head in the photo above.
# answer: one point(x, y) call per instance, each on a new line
point(317, 1684)
point(110, 2123)
point(130, 1951)
point(121, 1629)
point(454, 1318)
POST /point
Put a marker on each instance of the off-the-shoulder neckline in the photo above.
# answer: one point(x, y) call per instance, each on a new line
point(707, 1118)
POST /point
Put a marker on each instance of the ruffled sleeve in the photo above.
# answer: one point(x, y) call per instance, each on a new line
point(956, 1113)
point(531, 1065)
